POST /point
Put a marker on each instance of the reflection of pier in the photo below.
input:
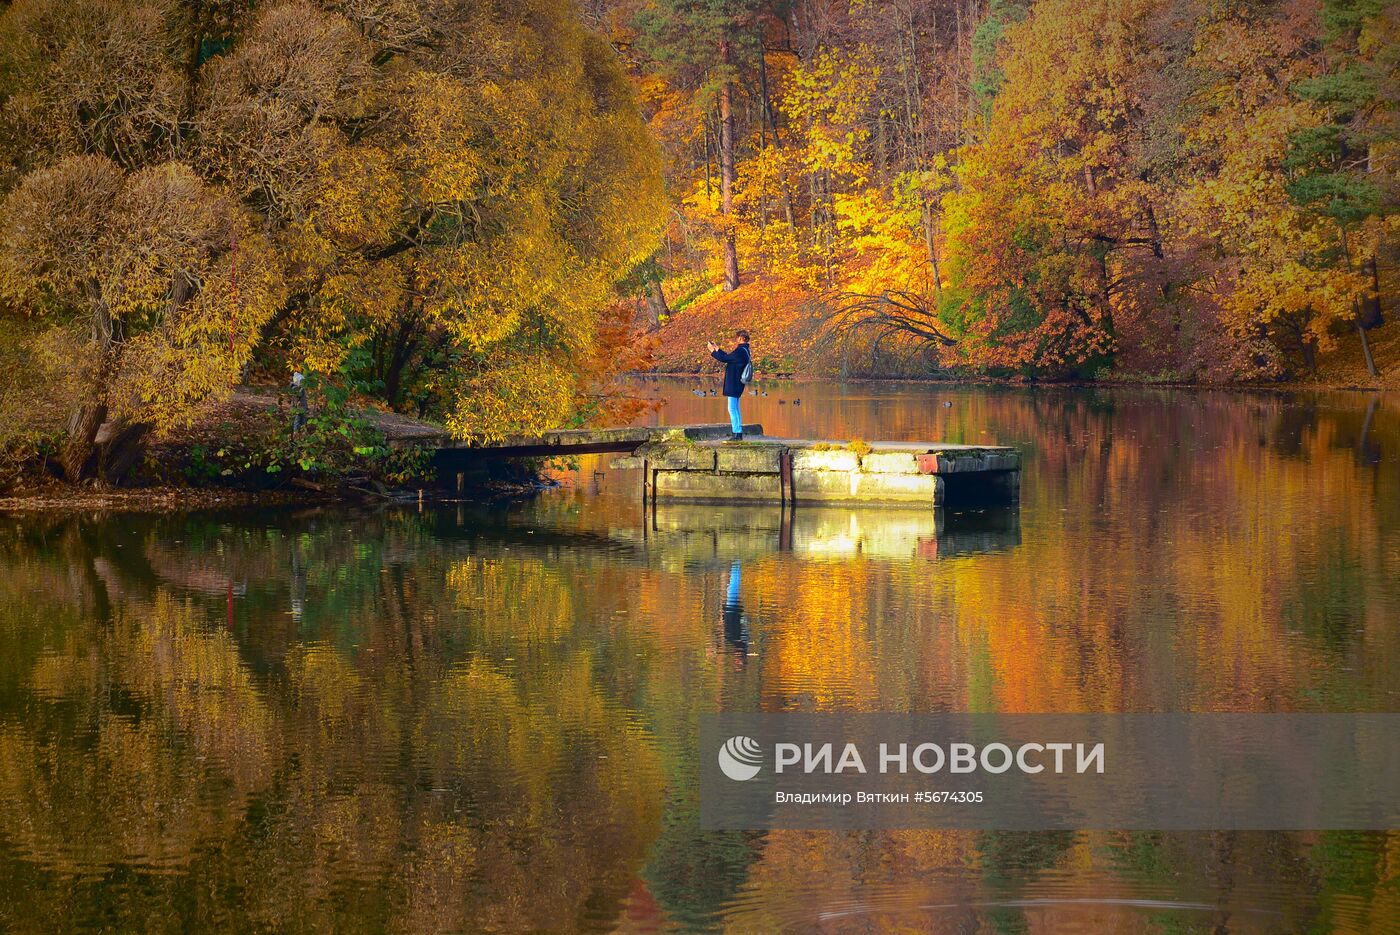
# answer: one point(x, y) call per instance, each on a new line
point(708, 532)
point(679, 533)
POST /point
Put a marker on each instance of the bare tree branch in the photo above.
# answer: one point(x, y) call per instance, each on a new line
point(891, 312)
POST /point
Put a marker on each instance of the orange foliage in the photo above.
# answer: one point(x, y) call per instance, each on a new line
point(783, 320)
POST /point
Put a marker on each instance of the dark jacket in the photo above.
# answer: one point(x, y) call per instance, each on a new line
point(734, 363)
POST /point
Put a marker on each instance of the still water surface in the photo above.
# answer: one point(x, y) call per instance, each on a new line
point(483, 718)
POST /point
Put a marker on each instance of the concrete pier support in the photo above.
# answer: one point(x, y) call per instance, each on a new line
point(799, 470)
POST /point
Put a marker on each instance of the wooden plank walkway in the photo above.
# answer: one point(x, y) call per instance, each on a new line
point(564, 442)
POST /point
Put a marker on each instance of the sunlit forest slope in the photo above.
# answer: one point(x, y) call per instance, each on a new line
point(1137, 189)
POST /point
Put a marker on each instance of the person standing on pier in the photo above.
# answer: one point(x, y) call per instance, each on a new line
point(738, 371)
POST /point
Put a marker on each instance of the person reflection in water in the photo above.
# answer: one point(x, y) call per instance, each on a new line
point(736, 628)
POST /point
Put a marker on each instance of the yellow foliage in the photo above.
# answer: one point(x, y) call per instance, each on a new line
point(419, 214)
point(522, 392)
point(163, 272)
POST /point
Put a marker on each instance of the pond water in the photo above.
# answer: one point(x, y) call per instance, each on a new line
point(483, 718)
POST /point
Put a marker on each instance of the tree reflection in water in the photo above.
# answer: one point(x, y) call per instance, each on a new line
point(484, 718)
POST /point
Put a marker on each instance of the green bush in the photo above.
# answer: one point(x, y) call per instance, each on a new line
point(23, 453)
point(337, 442)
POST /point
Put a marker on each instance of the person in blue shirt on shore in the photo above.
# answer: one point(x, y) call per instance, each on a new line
point(736, 363)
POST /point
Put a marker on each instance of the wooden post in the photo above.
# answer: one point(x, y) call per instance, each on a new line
point(646, 526)
point(785, 494)
point(646, 478)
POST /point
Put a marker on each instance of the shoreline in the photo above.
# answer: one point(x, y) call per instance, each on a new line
point(1015, 383)
point(57, 500)
point(55, 497)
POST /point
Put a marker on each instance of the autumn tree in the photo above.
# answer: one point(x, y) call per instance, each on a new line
point(1054, 212)
point(1343, 167)
point(1053, 189)
point(459, 241)
point(426, 202)
point(1275, 186)
point(140, 275)
point(699, 44)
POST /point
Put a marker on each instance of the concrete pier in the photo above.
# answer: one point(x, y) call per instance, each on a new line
point(788, 470)
point(697, 462)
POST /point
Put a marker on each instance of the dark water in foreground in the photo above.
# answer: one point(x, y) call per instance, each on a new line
point(483, 719)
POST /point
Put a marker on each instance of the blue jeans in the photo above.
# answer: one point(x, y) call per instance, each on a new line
point(736, 424)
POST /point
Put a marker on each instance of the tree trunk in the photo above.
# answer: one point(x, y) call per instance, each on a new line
point(1105, 296)
point(1366, 352)
point(79, 448)
point(1307, 348)
point(656, 303)
point(762, 95)
point(1368, 316)
point(401, 351)
point(917, 143)
point(78, 455)
point(200, 22)
point(927, 211)
point(709, 161)
point(726, 169)
point(122, 451)
point(1370, 312)
point(789, 213)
